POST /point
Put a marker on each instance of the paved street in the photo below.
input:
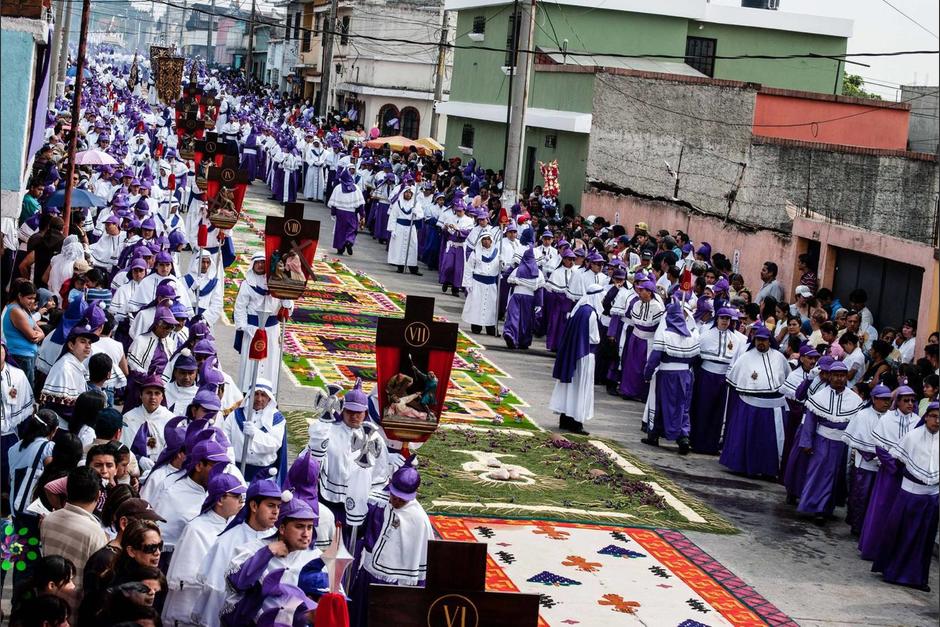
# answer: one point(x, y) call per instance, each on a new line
point(811, 573)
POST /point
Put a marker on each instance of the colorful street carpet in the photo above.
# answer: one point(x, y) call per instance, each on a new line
point(610, 575)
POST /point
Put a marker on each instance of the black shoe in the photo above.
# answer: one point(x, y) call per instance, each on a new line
point(414, 270)
point(349, 249)
point(509, 343)
point(339, 251)
point(400, 269)
point(683, 446)
point(455, 292)
point(819, 520)
point(791, 499)
point(444, 287)
point(564, 422)
point(612, 390)
point(491, 331)
point(651, 440)
point(576, 427)
point(475, 328)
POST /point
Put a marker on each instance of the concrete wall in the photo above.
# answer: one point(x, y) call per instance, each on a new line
point(753, 248)
point(639, 123)
point(924, 127)
point(17, 51)
point(855, 122)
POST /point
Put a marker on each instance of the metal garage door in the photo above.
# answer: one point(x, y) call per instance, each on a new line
point(893, 288)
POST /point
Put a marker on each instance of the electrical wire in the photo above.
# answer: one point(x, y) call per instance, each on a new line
point(912, 20)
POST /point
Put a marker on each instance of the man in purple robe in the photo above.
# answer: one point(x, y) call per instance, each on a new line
point(520, 311)
point(346, 204)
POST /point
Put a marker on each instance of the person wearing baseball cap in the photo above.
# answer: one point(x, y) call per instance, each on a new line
point(225, 494)
point(546, 256)
point(396, 543)
point(254, 522)
point(829, 411)
point(289, 551)
point(144, 425)
point(859, 435)
point(753, 445)
point(185, 491)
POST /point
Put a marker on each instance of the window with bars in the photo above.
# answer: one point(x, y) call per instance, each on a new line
point(700, 54)
point(479, 25)
point(344, 29)
point(512, 37)
point(297, 25)
point(410, 122)
point(551, 141)
point(305, 38)
point(466, 136)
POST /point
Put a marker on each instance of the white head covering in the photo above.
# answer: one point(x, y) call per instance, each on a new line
point(60, 266)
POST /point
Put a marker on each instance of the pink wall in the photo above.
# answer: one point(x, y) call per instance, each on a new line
point(755, 247)
point(880, 126)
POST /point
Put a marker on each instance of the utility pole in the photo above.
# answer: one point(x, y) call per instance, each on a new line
point(249, 62)
point(211, 17)
point(182, 26)
point(439, 76)
point(520, 97)
point(76, 112)
point(56, 46)
point(326, 71)
point(63, 60)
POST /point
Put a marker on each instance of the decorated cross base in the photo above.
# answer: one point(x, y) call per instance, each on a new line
point(454, 595)
point(209, 152)
point(290, 244)
point(189, 129)
point(413, 356)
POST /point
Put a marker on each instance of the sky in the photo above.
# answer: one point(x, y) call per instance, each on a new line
point(879, 28)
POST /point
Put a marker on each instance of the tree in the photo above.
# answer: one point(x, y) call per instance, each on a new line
point(852, 85)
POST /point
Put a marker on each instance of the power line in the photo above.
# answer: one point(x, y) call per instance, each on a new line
point(912, 20)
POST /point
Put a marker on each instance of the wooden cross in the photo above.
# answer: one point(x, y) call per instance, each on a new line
point(416, 333)
point(190, 124)
point(454, 595)
point(210, 146)
point(229, 175)
point(295, 233)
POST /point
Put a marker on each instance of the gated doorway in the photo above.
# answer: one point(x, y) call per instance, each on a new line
point(893, 287)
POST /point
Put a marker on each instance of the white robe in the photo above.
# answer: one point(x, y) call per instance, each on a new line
point(400, 552)
point(576, 399)
point(135, 419)
point(205, 291)
point(268, 437)
point(178, 503)
point(315, 181)
point(67, 380)
point(178, 398)
point(212, 570)
point(403, 243)
point(253, 298)
point(480, 308)
point(17, 397)
point(142, 349)
point(183, 588)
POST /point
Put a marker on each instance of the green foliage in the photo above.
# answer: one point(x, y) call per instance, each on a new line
point(853, 85)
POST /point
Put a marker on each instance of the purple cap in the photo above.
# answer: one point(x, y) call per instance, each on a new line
point(808, 351)
point(405, 483)
point(838, 366)
point(138, 264)
point(206, 450)
point(95, 316)
point(824, 363)
point(152, 381)
point(595, 257)
point(208, 400)
point(165, 291)
point(220, 485)
point(761, 332)
point(113, 219)
point(619, 274)
point(163, 257)
point(163, 314)
point(903, 390)
point(547, 233)
point(185, 361)
point(179, 311)
point(881, 391)
point(82, 330)
point(646, 284)
point(294, 508)
point(204, 347)
point(568, 254)
point(355, 399)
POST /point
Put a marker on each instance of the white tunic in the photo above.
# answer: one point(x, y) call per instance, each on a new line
point(576, 399)
point(17, 397)
point(67, 379)
point(480, 279)
point(400, 552)
point(268, 437)
point(314, 158)
point(135, 419)
point(212, 570)
point(403, 217)
point(253, 298)
point(183, 588)
point(179, 503)
point(178, 398)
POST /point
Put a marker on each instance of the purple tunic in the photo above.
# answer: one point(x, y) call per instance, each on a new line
point(431, 252)
point(452, 262)
point(520, 319)
point(707, 412)
point(863, 482)
point(791, 425)
point(825, 470)
point(883, 495)
point(632, 363)
point(380, 229)
point(750, 445)
point(557, 306)
point(345, 228)
point(277, 182)
point(673, 394)
point(907, 549)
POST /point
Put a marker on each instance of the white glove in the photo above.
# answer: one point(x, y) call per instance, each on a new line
point(396, 461)
point(250, 429)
